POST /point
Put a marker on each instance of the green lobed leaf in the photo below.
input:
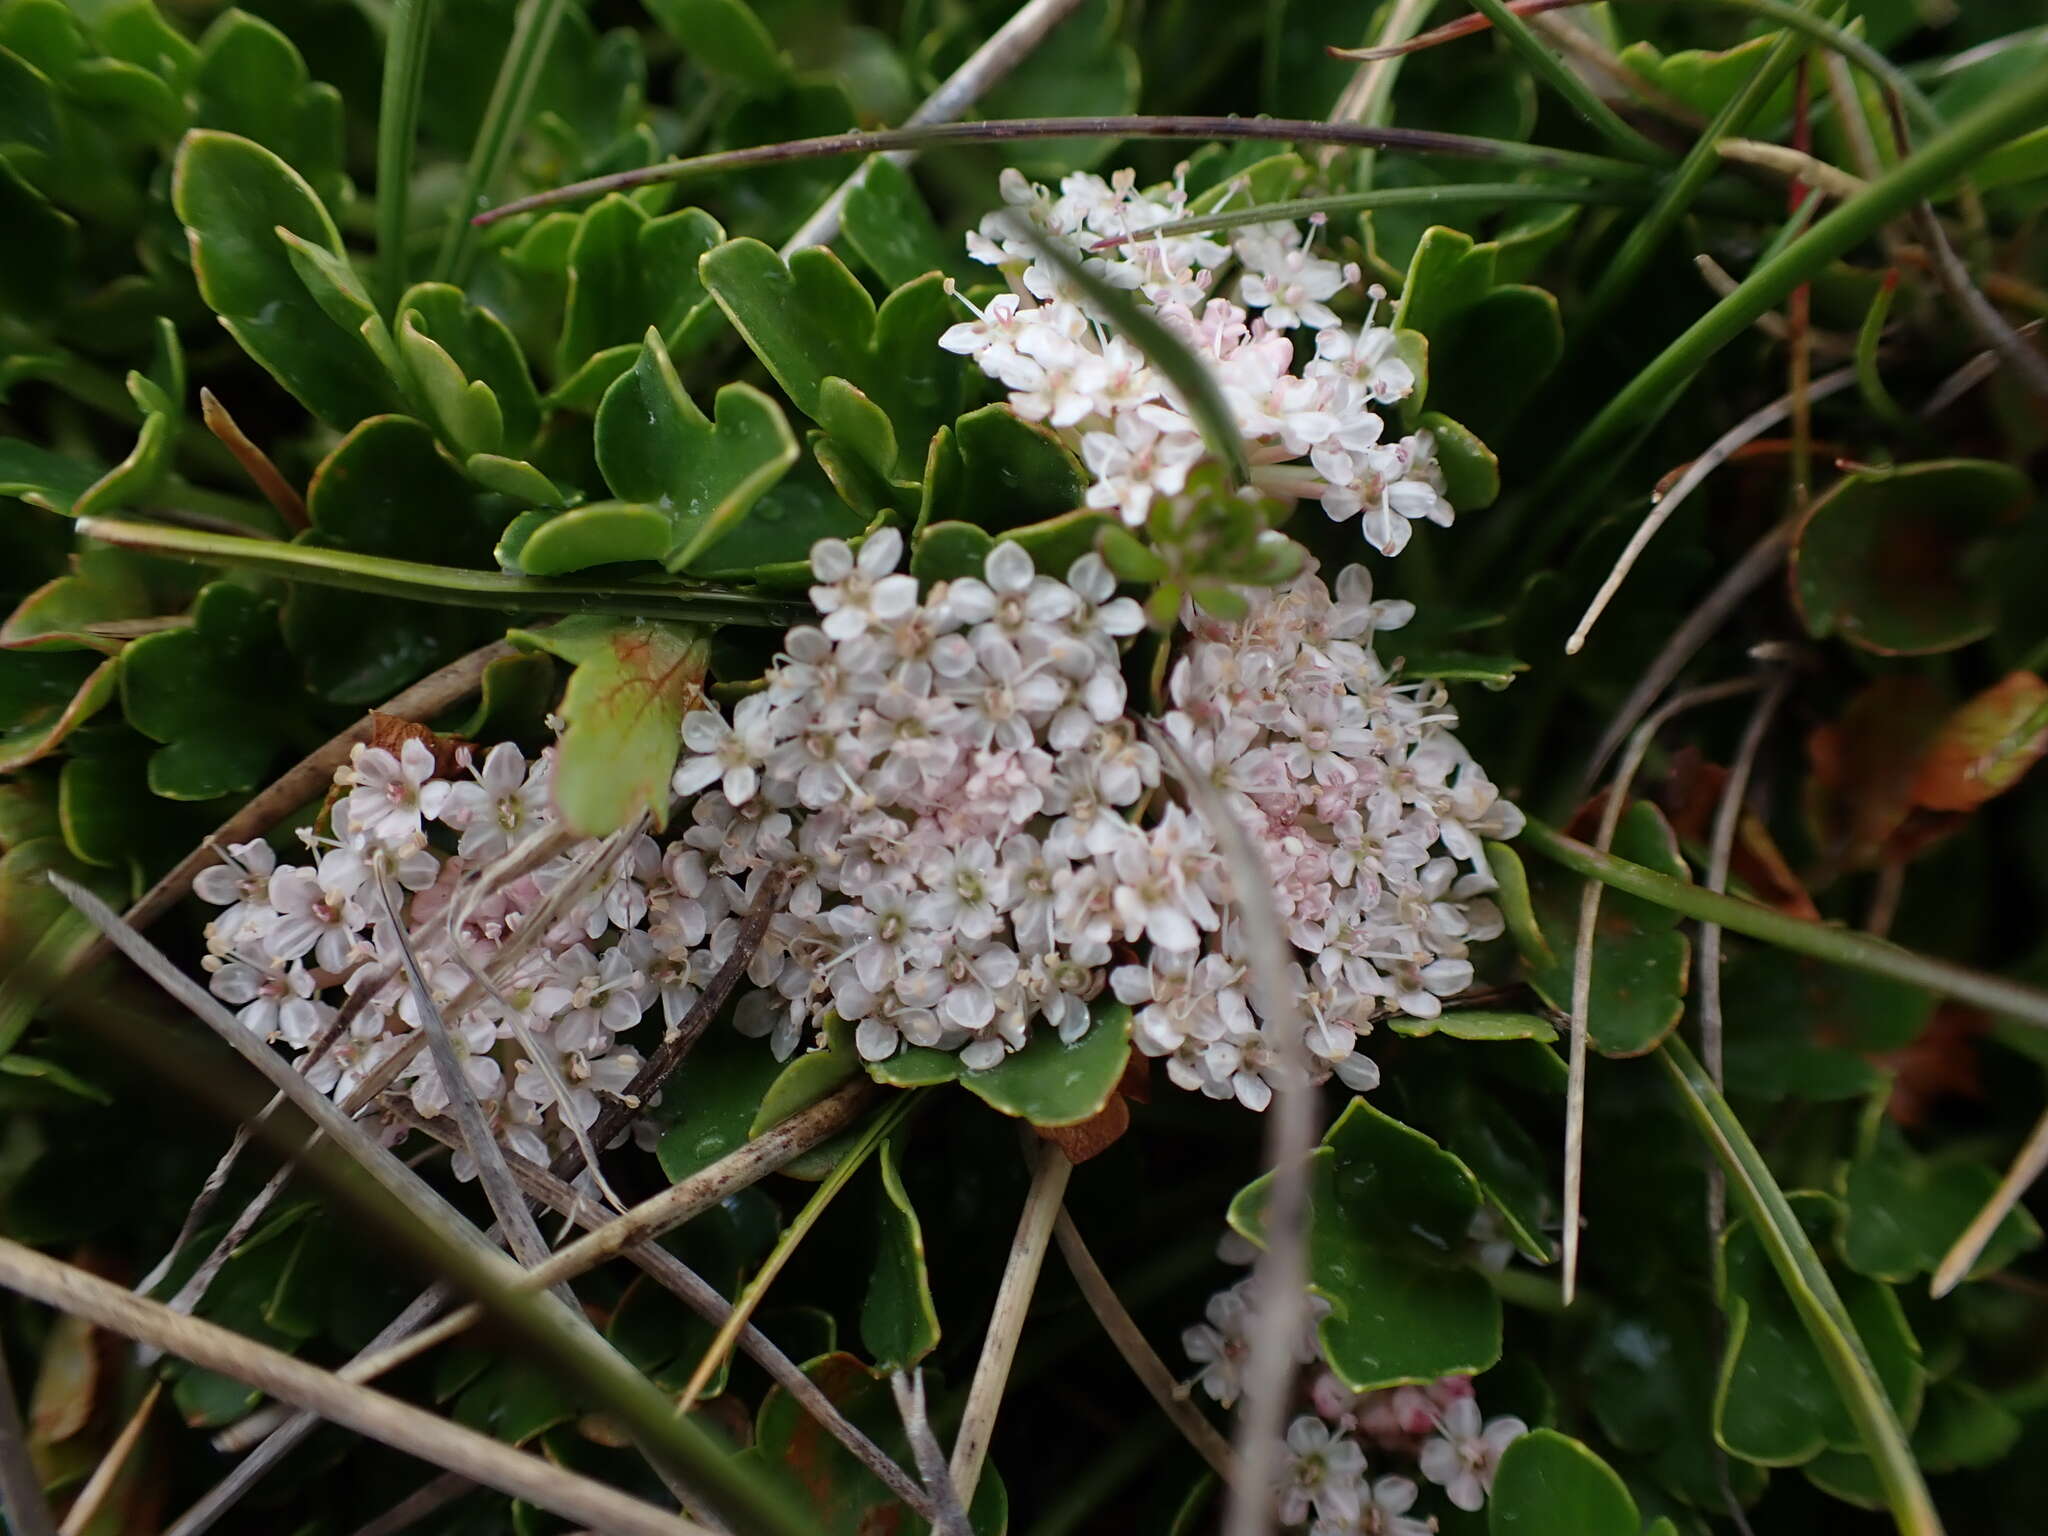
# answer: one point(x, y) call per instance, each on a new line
point(1902, 560)
point(658, 450)
point(625, 270)
point(711, 1109)
point(1055, 1082)
point(1777, 1403)
point(1902, 1212)
point(159, 394)
point(1640, 958)
point(233, 195)
point(898, 1323)
point(467, 366)
point(727, 39)
point(624, 706)
point(44, 696)
point(1549, 1484)
point(40, 932)
point(1389, 1210)
point(211, 693)
point(250, 80)
point(891, 228)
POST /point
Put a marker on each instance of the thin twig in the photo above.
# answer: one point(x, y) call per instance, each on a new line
point(1280, 1279)
point(381, 1418)
point(1720, 855)
point(194, 1290)
point(21, 1489)
point(1794, 165)
point(417, 1505)
point(676, 1277)
point(1967, 378)
point(738, 1170)
point(1743, 578)
point(949, 1515)
point(1967, 1249)
point(1990, 326)
point(1138, 1353)
point(1049, 1172)
point(1011, 44)
point(86, 1506)
point(615, 1117)
point(1582, 957)
point(1421, 141)
point(1724, 448)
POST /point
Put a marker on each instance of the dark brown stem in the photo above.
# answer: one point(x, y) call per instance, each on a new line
point(1010, 130)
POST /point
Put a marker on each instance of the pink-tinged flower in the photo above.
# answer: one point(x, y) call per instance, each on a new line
point(390, 794)
point(1463, 1455)
point(317, 910)
point(855, 592)
point(241, 884)
point(1323, 1471)
point(498, 805)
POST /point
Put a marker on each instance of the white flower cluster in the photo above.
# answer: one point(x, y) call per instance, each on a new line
point(1324, 1483)
point(294, 940)
point(1369, 815)
point(981, 839)
point(1312, 433)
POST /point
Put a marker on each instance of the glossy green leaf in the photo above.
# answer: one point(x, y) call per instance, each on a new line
point(1652, 1374)
point(1053, 1082)
point(772, 543)
point(810, 321)
point(1448, 274)
point(44, 696)
point(1470, 469)
point(251, 81)
point(468, 368)
point(1389, 1211)
point(710, 1109)
point(1641, 959)
point(898, 1323)
point(159, 394)
point(1478, 1024)
point(624, 706)
point(596, 533)
point(656, 448)
point(625, 270)
point(999, 472)
point(1778, 1404)
point(948, 551)
point(727, 39)
point(211, 693)
point(890, 227)
point(1549, 1484)
point(1902, 561)
point(52, 481)
point(40, 932)
point(386, 489)
point(1509, 321)
point(1902, 1212)
point(233, 195)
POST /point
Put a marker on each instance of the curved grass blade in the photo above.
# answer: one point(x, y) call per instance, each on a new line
point(398, 116)
point(1813, 1294)
point(1839, 946)
point(448, 584)
point(511, 97)
point(1419, 141)
point(1564, 80)
point(1189, 375)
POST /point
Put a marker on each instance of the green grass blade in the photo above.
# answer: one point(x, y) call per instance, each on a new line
point(1564, 80)
point(1699, 165)
point(398, 116)
point(504, 117)
point(1813, 1294)
point(448, 584)
point(1592, 458)
point(1839, 946)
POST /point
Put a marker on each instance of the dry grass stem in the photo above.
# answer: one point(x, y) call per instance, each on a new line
point(1011, 44)
point(1138, 1353)
point(1049, 1172)
point(79, 1518)
point(2019, 1178)
point(949, 1515)
point(381, 1418)
point(21, 1488)
point(1794, 165)
point(277, 490)
point(1722, 449)
point(416, 1506)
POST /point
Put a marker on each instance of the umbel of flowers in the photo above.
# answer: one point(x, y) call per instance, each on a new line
point(965, 830)
point(1314, 432)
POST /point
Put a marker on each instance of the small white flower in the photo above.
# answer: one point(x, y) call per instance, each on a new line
point(1462, 1456)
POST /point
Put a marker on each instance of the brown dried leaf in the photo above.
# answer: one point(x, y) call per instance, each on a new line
point(1691, 799)
point(1100, 1132)
point(1940, 1064)
point(1859, 795)
point(1985, 747)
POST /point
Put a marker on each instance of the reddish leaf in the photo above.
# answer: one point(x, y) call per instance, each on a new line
point(1940, 1064)
point(1985, 746)
point(1860, 793)
point(1691, 799)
